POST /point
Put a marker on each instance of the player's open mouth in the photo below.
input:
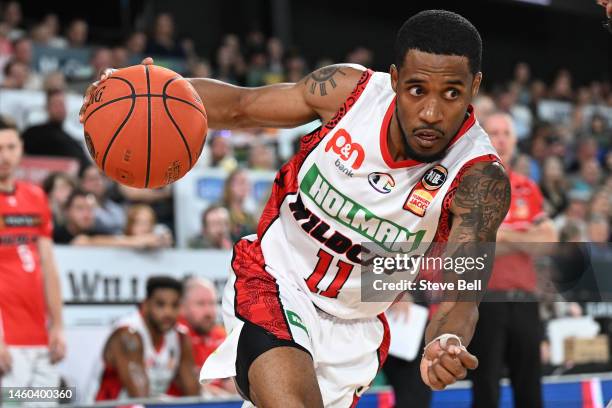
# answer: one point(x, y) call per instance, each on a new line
point(426, 138)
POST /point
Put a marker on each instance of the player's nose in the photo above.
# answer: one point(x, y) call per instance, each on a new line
point(431, 112)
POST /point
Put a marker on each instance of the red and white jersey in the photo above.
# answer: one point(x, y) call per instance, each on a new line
point(24, 218)
point(343, 188)
point(161, 365)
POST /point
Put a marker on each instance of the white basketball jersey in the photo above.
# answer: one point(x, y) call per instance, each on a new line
point(160, 365)
point(343, 189)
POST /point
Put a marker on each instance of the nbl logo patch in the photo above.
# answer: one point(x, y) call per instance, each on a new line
point(435, 177)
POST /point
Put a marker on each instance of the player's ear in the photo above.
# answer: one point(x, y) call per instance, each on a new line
point(476, 84)
point(394, 77)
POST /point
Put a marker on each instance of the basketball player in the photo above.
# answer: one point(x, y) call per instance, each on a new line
point(145, 352)
point(31, 326)
point(400, 157)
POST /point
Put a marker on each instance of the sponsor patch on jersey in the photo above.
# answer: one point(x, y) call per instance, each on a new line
point(435, 177)
point(296, 320)
point(342, 144)
point(381, 182)
point(418, 201)
point(20, 220)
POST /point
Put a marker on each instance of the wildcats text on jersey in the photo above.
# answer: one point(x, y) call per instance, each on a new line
point(349, 213)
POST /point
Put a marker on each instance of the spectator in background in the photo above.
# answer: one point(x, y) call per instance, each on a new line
point(58, 186)
point(296, 68)
point(120, 57)
point(554, 186)
point(109, 216)
point(162, 41)
point(507, 100)
point(160, 199)
point(262, 157)
point(101, 58)
point(520, 82)
point(16, 75)
point(601, 205)
point(215, 233)
point(77, 33)
point(136, 44)
point(199, 319)
point(12, 16)
point(361, 56)
point(22, 52)
point(6, 46)
point(276, 69)
point(54, 81)
point(79, 227)
point(598, 129)
point(589, 177)
point(598, 230)
point(537, 93)
point(562, 87)
point(221, 151)
point(483, 107)
point(575, 212)
point(258, 69)
point(199, 68)
point(53, 25)
point(141, 221)
point(49, 138)
point(235, 194)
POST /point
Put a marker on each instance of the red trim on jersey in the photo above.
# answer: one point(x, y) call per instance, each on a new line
point(383, 349)
point(384, 136)
point(355, 400)
point(257, 296)
point(110, 384)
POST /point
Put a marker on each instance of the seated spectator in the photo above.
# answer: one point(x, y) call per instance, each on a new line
point(296, 68)
point(77, 33)
point(50, 139)
point(12, 16)
point(162, 42)
point(598, 230)
point(554, 186)
point(221, 151)
point(200, 69)
point(58, 186)
point(235, 194)
point(199, 319)
point(589, 177)
point(101, 58)
point(79, 230)
point(16, 75)
point(601, 205)
point(215, 232)
point(160, 199)
point(136, 43)
point(262, 157)
point(54, 81)
point(575, 213)
point(141, 221)
point(53, 25)
point(120, 57)
point(110, 216)
point(22, 52)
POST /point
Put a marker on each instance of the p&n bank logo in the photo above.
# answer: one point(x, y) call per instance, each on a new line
point(350, 153)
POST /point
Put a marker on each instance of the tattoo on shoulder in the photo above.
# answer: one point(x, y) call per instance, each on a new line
point(482, 198)
point(318, 81)
point(129, 342)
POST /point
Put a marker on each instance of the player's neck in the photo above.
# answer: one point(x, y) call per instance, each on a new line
point(7, 185)
point(157, 338)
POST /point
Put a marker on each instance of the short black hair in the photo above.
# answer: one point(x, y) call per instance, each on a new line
point(439, 32)
point(163, 282)
point(76, 193)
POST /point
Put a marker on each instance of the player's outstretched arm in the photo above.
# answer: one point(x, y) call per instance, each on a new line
point(125, 352)
point(317, 96)
point(479, 206)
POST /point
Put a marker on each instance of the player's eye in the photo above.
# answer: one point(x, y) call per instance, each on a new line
point(416, 91)
point(451, 93)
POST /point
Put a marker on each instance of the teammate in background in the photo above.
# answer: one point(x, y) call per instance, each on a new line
point(31, 326)
point(400, 158)
point(199, 318)
point(146, 352)
point(509, 331)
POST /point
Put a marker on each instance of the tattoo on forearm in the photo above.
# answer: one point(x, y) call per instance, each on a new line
point(483, 197)
point(320, 78)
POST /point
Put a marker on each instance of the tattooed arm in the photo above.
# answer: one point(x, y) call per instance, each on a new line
point(125, 353)
point(479, 206)
point(318, 95)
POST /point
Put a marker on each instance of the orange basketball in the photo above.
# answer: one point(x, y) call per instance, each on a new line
point(145, 126)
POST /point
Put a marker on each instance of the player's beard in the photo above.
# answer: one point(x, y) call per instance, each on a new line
point(410, 152)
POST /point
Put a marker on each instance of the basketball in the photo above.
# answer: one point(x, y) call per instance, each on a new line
point(145, 126)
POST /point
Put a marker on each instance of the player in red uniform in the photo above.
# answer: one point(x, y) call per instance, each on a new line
point(199, 319)
point(31, 327)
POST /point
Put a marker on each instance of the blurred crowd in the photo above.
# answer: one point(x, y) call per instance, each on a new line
point(569, 156)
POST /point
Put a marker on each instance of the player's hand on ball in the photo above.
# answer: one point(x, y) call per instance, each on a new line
point(444, 366)
point(103, 76)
